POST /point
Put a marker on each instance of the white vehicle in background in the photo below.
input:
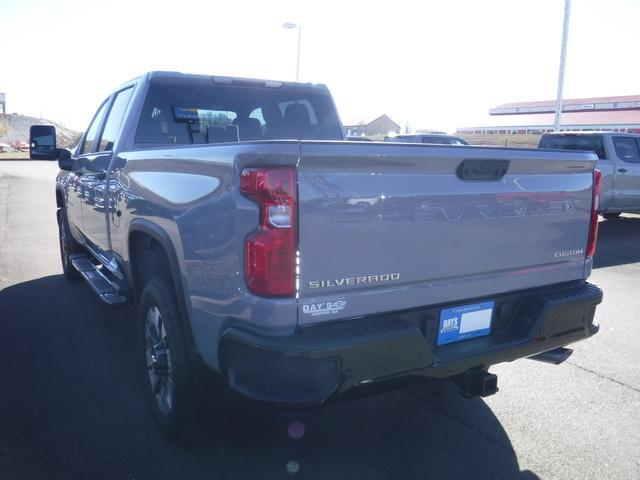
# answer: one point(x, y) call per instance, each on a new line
point(619, 162)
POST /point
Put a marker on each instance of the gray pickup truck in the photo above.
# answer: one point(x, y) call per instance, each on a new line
point(618, 160)
point(297, 266)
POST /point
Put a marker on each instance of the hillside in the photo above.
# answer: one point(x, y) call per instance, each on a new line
point(16, 128)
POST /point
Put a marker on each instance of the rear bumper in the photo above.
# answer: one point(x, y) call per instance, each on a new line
point(320, 363)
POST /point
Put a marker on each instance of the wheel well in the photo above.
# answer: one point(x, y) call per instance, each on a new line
point(148, 258)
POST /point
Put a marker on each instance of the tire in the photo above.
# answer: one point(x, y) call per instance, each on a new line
point(68, 246)
point(611, 216)
point(170, 382)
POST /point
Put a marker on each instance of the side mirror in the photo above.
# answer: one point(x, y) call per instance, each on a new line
point(42, 142)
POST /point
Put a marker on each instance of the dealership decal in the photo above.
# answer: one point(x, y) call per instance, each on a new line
point(323, 308)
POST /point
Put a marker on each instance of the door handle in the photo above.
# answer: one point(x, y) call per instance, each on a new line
point(482, 169)
point(622, 170)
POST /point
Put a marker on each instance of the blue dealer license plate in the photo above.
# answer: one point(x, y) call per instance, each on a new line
point(465, 322)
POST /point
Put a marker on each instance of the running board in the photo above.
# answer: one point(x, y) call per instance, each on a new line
point(106, 290)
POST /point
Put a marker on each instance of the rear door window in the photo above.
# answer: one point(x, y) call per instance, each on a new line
point(585, 143)
point(626, 149)
point(114, 120)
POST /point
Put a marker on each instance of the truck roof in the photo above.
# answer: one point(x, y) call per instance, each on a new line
point(159, 76)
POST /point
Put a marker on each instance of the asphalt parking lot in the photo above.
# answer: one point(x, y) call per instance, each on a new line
point(72, 405)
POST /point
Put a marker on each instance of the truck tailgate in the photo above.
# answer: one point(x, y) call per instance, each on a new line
point(385, 227)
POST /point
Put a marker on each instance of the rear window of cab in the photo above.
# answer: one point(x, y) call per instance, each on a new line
point(585, 143)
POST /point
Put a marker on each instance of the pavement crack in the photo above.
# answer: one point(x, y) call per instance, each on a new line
point(630, 387)
point(467, 425)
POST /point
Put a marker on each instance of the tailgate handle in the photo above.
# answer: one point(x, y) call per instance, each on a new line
point(482, 169)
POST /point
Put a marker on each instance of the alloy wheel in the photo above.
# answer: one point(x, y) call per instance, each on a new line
point(158, 358)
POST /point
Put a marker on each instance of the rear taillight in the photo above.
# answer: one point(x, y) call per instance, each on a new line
point(270, 252)
point(593, 227)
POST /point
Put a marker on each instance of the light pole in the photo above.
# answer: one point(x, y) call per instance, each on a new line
point(563, 57)
point(292, 26)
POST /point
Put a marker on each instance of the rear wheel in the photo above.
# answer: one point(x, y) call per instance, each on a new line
point(611, 216)
point(171, 381)
point(68, 246)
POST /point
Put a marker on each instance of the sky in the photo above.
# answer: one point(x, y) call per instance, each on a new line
point(428, 64)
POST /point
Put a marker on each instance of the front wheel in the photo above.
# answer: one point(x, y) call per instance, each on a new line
point(171, 382)
point(68, 246)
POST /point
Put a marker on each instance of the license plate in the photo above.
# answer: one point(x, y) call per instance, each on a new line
point(465, 322)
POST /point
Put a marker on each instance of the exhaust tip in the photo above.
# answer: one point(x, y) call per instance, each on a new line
point(554, 357)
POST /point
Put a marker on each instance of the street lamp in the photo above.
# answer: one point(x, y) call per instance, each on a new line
point(563, 57)
point(292, 26)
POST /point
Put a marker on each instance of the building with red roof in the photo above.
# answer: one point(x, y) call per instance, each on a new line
point(616, 114)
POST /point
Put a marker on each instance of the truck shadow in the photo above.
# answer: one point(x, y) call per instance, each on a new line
point(76, 398)
point(426, 431)
point(618, 242)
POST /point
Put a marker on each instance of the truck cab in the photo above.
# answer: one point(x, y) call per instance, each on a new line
point(618, 160)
